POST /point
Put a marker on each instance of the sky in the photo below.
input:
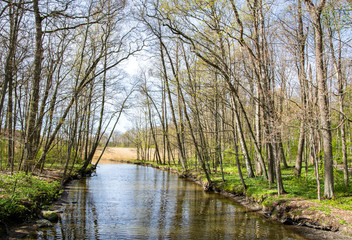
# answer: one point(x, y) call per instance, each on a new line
point(131, 67)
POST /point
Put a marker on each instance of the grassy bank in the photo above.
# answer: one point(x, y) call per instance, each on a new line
point(298, 206)
point(23, 196)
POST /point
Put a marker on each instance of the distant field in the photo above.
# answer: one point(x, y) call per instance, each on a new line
point(115, 154)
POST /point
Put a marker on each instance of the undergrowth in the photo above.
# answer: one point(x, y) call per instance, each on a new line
point(21, 194)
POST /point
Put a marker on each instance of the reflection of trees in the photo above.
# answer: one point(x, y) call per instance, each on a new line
point(156, 205)
point(79, 218)
point(177, 218)
point(164, 203)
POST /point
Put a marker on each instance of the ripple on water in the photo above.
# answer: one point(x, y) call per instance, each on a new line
point(134, 202)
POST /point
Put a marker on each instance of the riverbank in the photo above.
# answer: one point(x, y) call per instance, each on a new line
point(299, 207)
point(315, 220)
point(322, 220)
point(24, 197)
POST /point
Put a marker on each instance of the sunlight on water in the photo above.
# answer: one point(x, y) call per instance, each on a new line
point(134, 202)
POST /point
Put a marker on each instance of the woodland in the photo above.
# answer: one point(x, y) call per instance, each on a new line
point(250, 89)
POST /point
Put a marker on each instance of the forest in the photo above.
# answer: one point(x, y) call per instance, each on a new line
point(248, 88)
point(260, 85)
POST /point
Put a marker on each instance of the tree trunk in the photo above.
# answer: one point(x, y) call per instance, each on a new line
point(315, 13)
point(301, 40)
point(173, 114)
point(250, 173)
point(30, 147)
point(300, 150)
point(279, 183)
point(258, 134)
point(237, 154)
point(15, 16)
point(340, 80)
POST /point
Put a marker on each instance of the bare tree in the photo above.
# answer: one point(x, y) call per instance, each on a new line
point(315, 11)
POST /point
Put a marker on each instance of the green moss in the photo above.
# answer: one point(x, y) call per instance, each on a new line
point(50, 215)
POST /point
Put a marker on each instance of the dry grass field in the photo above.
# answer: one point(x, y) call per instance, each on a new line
point(114, 154)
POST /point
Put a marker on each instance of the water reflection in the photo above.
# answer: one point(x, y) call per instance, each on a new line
point(134, 202)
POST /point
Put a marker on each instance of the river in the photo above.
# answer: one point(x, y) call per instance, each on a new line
point(123, 201)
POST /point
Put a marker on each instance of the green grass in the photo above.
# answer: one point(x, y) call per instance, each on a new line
point(258, 188)
point(343, 222)
point(21, 194)
point(325, 209)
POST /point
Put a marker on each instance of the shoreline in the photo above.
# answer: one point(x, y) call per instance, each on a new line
point(282, 212)
point(22, 228)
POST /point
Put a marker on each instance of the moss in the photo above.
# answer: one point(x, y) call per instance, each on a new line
point(51, 216)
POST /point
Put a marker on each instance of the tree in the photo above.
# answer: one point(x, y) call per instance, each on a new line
point(315, 12)
point(31, 129)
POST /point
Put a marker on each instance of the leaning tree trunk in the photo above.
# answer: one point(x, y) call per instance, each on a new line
point(242, 140)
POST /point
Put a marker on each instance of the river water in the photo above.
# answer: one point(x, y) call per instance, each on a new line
point(125, 201)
